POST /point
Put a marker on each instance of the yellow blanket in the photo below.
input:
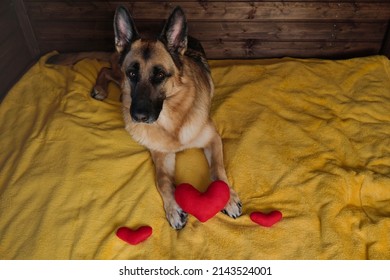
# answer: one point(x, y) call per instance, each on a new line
point(310, 138)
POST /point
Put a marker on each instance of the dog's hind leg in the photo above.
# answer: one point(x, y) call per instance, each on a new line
point(214, 155)
point(99, 91)
point(106, 75)
point(165, 172)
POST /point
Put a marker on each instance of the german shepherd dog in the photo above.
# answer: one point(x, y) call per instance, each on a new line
point(166, 91)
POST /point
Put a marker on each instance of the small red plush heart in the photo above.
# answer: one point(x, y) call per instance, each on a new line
point(203, 205)
point(134, 237)
point(266, 220)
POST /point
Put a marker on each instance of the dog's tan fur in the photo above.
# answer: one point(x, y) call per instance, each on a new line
point(184, 121)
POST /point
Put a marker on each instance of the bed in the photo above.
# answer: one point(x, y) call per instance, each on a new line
point(309, 137)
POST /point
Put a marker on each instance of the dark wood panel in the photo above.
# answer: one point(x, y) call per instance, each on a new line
point(385, 48)
point(258, 49)
point(300, 31)
point(283, 31)
point(15, 55)
point(4, 6)
point(221, 49)
point(209, 11)
point(8, 24)
point(25, 25)
point(212, 1)
point(76, 45)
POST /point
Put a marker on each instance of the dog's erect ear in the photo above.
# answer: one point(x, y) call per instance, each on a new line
point(174, 34)
point(125, 31)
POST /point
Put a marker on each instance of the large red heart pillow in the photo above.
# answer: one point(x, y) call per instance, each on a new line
point(203, 205)
point(136, 236)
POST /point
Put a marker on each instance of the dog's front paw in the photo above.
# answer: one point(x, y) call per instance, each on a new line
point(234, 206)
point(99, 93)
point(177, 218)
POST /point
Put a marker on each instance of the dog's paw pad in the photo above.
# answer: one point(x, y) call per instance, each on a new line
point(234, 207)
point(98, 94)
point(177, 218)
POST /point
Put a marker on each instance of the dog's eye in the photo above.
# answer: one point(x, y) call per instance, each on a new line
point(160, 75)
point(132, 74)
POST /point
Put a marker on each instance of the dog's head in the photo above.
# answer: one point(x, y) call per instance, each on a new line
point(150, 67)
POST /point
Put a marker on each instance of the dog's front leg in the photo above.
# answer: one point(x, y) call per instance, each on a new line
point(165, 173)
point(214, 155)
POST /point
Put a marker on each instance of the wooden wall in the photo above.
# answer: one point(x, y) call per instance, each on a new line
point(227, 29)
point(18, 49)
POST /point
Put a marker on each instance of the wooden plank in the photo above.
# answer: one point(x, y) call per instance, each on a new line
point(14, 53)
point(221, 49)
point(212, 1)
point(8, 24)
point(77, 45)
point(267, 31)
point(25, 25)
point(385, 49)
point(282, 31)
point(13, 49)
point(259, 49)
point(199, 11)
point(14, 59)
point(4, 6)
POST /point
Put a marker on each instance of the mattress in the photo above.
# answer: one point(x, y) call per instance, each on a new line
point(307, 137)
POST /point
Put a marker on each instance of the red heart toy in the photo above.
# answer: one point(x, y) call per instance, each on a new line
point(134, 237)
point(266, 220)
point(203, 205)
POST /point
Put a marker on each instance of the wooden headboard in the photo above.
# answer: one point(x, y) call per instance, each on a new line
point(227, 29)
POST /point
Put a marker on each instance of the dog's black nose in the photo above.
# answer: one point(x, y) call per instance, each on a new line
point(140, 117)
point(140, 111)
point(143, 112)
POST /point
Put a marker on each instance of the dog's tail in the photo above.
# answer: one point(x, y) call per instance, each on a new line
point(73, 58)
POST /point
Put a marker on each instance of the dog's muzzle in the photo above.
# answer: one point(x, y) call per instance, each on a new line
point(143, 112)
